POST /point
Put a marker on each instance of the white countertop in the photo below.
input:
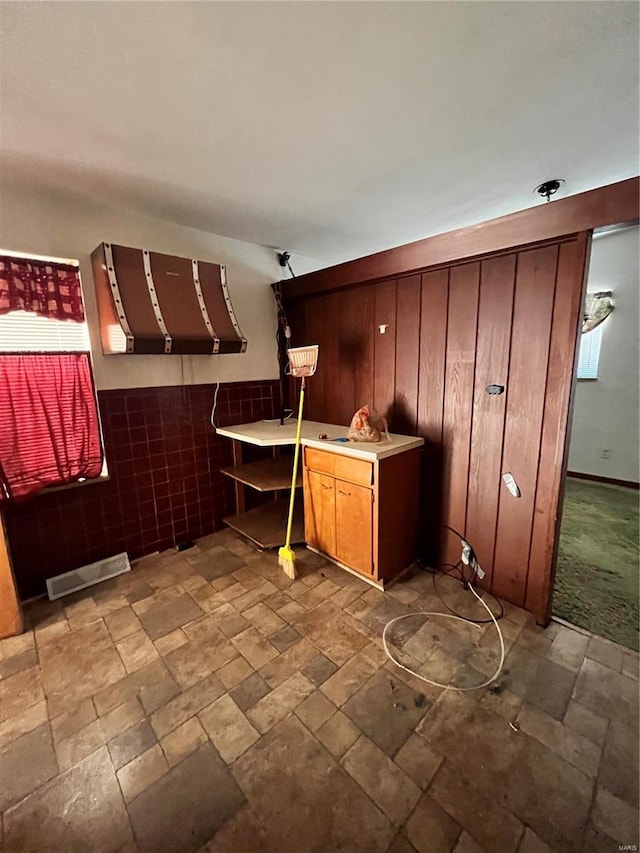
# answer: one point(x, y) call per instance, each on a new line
point(270, 434)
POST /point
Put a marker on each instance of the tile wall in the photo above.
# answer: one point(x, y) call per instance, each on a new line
point(164, 460)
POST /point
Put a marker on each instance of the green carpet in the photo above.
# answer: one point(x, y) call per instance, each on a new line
point(597, 574)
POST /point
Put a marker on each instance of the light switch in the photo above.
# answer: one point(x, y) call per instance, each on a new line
point(511, 484)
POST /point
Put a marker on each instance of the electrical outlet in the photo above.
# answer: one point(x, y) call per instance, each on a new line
point(605, 452)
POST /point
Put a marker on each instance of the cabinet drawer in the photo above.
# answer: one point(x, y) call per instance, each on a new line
point(357, 471)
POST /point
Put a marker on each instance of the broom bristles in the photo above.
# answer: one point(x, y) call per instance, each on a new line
point(287, 560)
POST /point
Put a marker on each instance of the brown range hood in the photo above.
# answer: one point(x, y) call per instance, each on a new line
point(152, 303)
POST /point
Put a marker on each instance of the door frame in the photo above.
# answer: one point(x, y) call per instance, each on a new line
point(547, 614)
point(11, 619)
point(545, 598)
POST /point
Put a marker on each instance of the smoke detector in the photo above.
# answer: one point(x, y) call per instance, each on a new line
point(548, 188)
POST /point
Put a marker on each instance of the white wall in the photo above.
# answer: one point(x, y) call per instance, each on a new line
point(606, 409)
point(44, 223)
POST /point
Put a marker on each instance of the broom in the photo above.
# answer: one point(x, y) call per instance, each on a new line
point(286, 554)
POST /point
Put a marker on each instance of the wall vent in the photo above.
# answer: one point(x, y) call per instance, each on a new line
point(87, 576)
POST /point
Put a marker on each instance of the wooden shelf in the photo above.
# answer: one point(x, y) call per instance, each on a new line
point(266, 525)
point(267, 475)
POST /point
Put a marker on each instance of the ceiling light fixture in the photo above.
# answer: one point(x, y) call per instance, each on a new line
point(548, 188)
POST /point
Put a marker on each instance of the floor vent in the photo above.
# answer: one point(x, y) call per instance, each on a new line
point(87, 576)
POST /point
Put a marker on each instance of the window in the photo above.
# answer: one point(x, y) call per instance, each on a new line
point(49, 424)
point(23, 331)
point(589, 355)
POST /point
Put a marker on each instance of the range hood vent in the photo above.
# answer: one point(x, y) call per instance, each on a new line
point(152, 303)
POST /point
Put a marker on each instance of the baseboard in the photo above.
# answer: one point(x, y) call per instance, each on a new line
point(611, 481)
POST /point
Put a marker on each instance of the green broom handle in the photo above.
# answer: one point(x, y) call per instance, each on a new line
point(295, 466)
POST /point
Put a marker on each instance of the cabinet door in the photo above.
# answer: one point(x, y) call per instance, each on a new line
point(354, 513)
point(320, 512)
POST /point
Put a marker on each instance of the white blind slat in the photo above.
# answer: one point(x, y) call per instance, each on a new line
point(589, 355)
point(24, 331)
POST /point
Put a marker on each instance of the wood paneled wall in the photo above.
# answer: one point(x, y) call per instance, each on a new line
point(510, 319)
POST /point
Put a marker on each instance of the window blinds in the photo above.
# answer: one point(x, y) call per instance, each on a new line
point(589, 355)
point(23, 331)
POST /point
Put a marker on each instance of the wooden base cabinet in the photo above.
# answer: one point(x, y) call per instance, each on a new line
point(363, 514)
point(320, 512)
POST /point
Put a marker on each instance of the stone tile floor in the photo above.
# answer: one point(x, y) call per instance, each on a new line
point(204, 702)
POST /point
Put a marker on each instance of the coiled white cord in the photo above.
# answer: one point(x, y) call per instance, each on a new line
point(459, 619)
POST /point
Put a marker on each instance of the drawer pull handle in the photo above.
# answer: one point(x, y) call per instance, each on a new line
point(340, 492)
point(325, 487)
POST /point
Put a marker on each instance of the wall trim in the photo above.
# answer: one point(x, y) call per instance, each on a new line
point(11, 621)
point(210, 383)
point(614, 204)
point(611, 481)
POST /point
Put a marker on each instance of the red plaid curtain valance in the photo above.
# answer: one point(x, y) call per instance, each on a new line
point(46, 288)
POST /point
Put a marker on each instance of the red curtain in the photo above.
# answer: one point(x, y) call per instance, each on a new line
point(49, 432)
point(50, 289)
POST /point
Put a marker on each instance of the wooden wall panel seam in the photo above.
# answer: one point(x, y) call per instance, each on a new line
point(492, 356)
point(546, 386)
point(462, 318)
point(504, 418)
point(533, 311)
point(384, 391)
point(473, 387)
point(446, 346)
point(557, 434)
point(407, 355)
point(395, 350)
point(419, 343)
point(434, 303)
point(506, 405)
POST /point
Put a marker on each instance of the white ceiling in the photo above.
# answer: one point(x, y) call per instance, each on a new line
point(332, 129)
